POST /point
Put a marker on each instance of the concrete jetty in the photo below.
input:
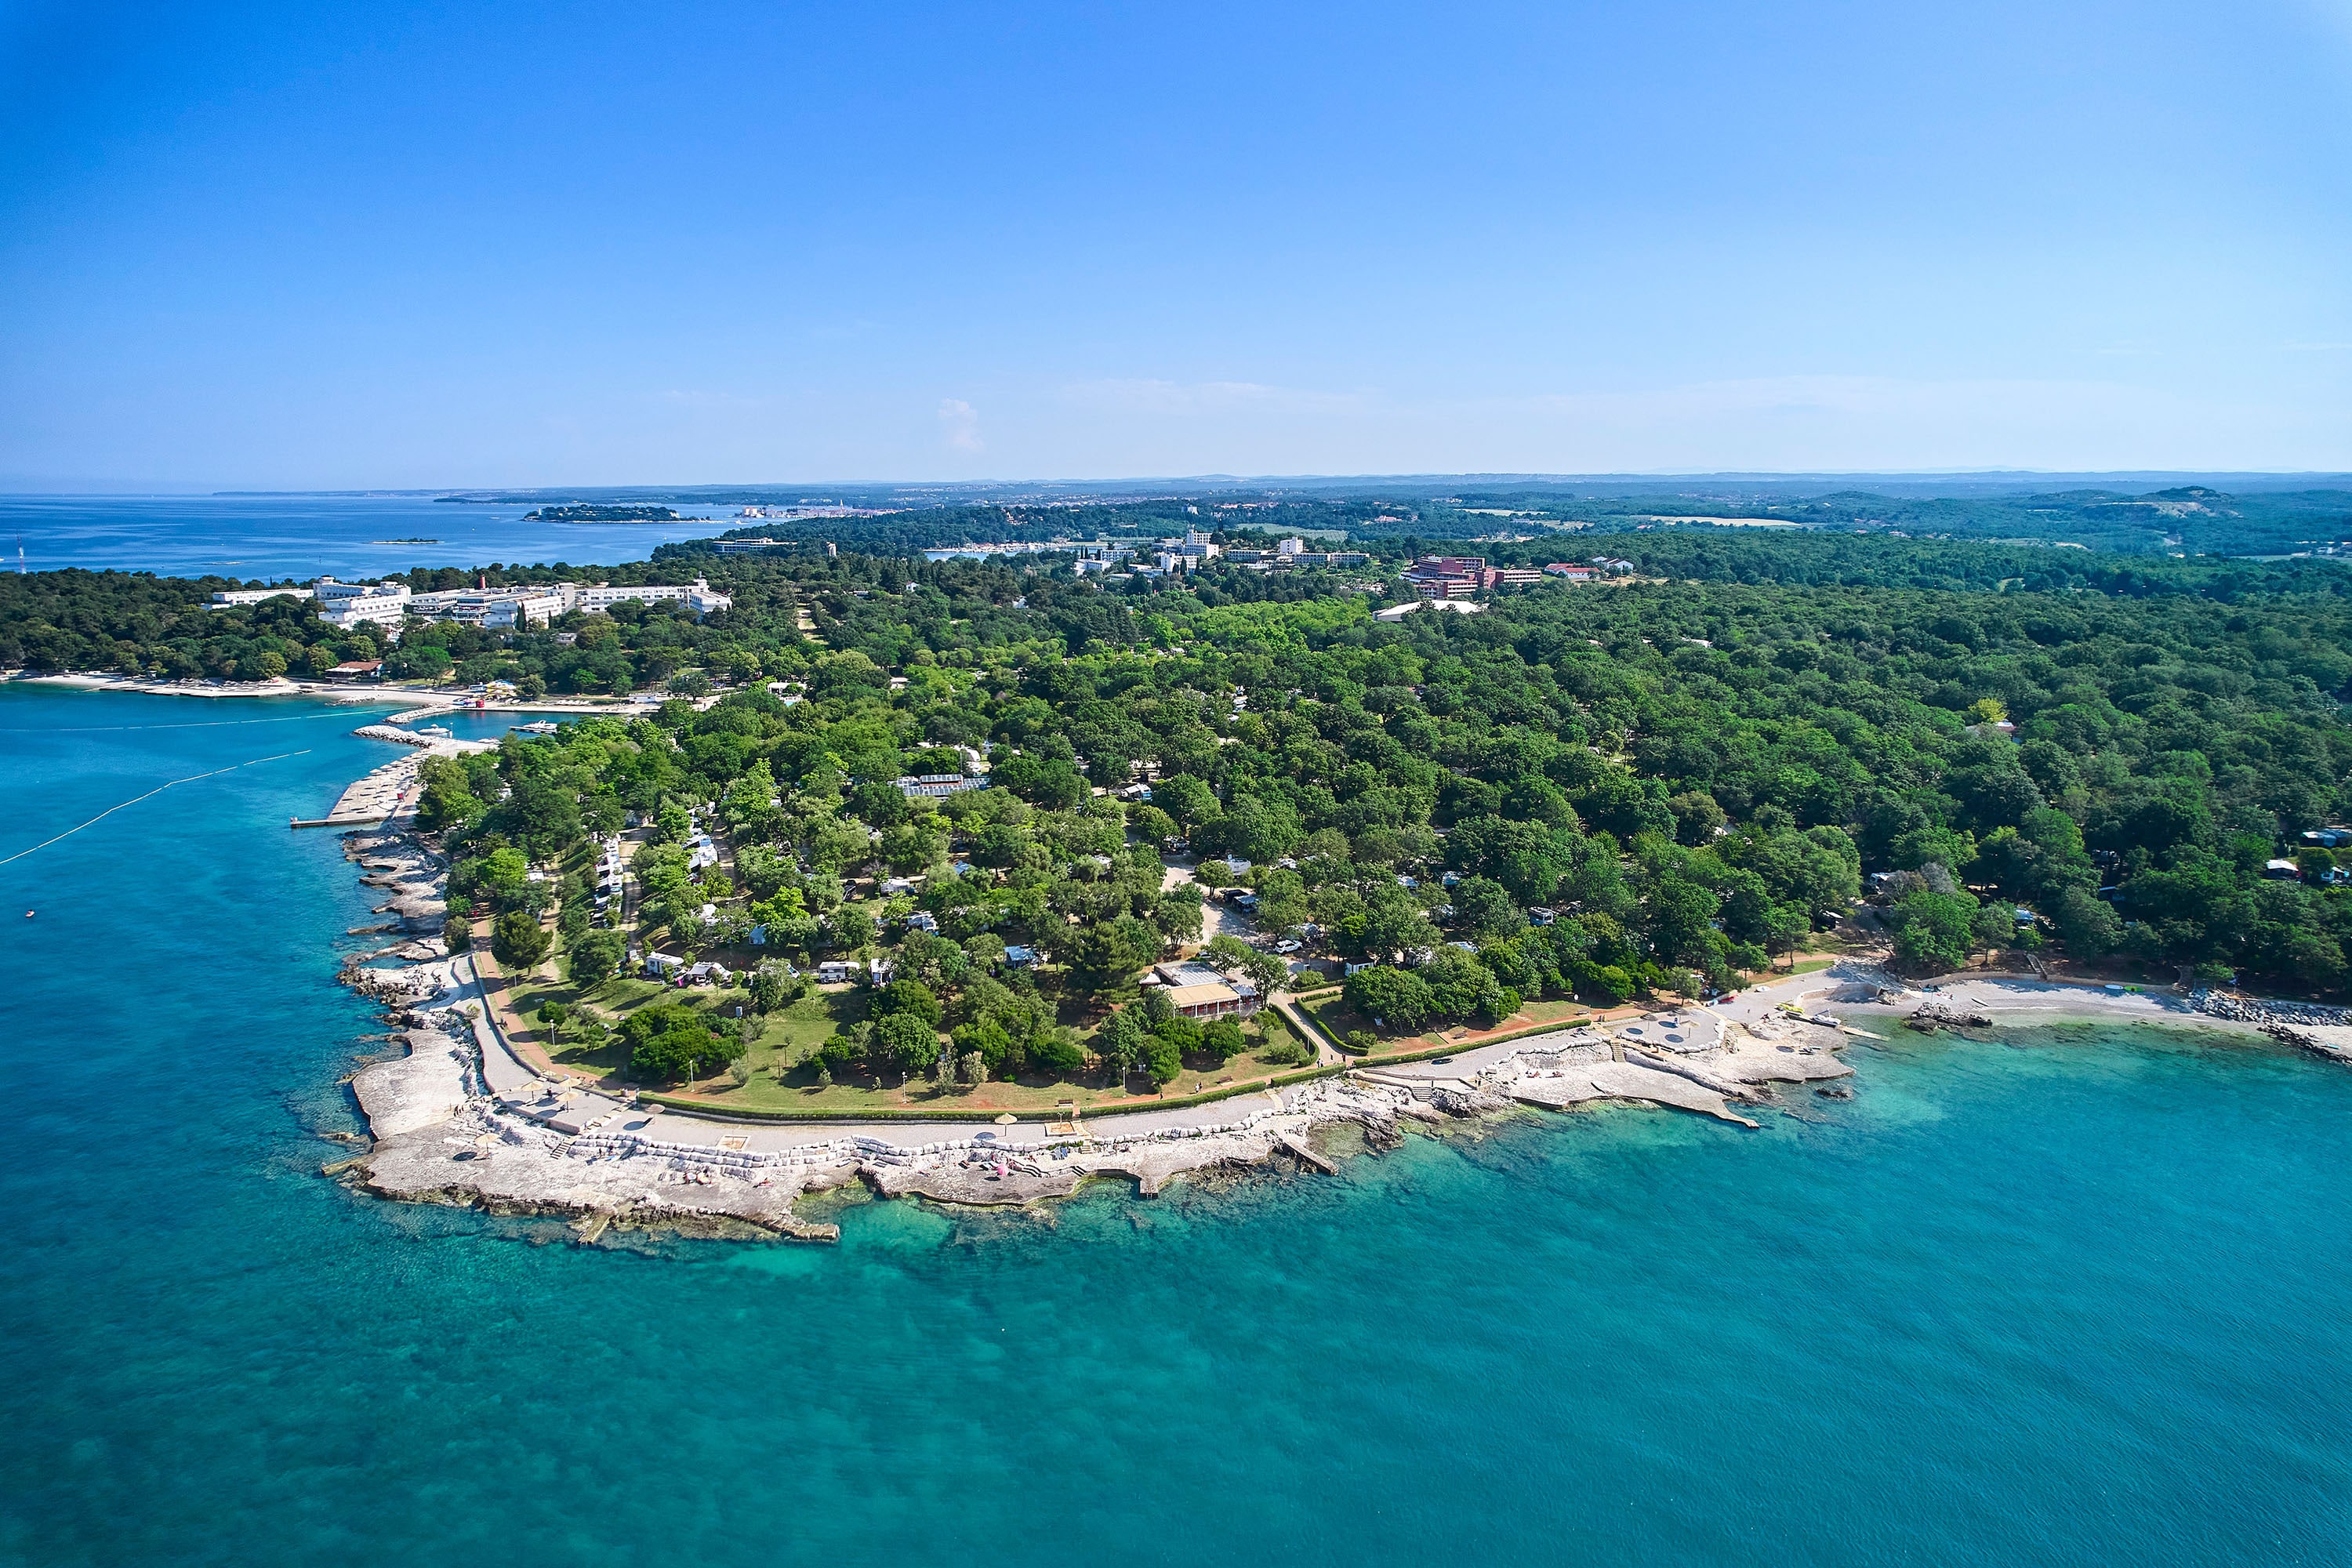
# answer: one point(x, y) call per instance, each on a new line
point(387, 796)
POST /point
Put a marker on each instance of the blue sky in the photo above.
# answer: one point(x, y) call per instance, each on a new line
point(371, 245)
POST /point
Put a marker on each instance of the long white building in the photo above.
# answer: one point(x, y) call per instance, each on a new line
point(339, 603)
point(388, 603)
point(543, 602)
point(228, 598)
point(347, 604)
point(699, 596)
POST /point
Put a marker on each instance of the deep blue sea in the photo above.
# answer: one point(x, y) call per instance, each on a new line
point(2077, 1299)
point(271, 538)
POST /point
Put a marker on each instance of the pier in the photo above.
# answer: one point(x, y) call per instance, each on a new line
point(381, 798)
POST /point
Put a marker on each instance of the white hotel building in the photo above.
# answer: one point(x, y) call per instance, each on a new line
point(387, 603)
point(343, 605)
point(542, 603)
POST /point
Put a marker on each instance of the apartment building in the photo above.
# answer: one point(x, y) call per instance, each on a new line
point(1189, 553)
point(347, 604)
point(1447, 576)
point(542, 603)
point(493, 607)
point(228, 598)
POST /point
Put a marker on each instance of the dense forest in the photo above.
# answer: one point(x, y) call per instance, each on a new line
point(2217, 515)
point(2180, 520)
point(2185, 522)
point(1594, 791)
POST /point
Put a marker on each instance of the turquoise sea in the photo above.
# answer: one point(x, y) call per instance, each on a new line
point(271, 538)
point(2079, 1298)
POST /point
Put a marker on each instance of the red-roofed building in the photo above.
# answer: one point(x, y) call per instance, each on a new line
point(1447, 576)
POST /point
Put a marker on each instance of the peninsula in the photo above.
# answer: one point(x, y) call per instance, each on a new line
point(1072, 858)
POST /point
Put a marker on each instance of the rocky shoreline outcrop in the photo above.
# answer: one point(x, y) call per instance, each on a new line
point(458, 1120)
point(1937, 1016)
point(2288, 1023)
point(2260, 1010)
point(452, 1126)
point(410, 872)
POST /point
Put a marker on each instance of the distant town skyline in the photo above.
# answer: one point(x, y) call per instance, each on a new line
point(269, 246)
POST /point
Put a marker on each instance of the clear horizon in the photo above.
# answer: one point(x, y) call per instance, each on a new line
point(1334, 481)
point(262, 248)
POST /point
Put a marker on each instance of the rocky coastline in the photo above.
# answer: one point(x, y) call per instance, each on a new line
point(445, 1132)
point(460, 1119)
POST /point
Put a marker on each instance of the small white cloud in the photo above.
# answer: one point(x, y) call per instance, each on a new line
point(960, 422)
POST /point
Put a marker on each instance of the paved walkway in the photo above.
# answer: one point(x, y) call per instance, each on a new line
point(673, 1127)
point(495, 990)
point(1286, 1004)
point(501, 1071)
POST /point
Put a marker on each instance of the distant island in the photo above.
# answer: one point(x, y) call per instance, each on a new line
point(603, 515)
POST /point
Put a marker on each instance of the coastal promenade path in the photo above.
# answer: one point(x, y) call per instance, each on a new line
point(424, 702)
point(503, 1072)
point(1326, 1053)
point(494, 990)
point(675, 1127)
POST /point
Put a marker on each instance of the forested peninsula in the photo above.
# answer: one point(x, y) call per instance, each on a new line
point(1587, 791)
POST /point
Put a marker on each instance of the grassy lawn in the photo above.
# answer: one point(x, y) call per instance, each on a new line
point(611, 1000)
point(778, 1072)
point(808, 1020)
point(1336, 1018)
point(1807, 964)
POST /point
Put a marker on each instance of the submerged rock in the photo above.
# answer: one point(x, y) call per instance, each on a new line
point(1935, 1016)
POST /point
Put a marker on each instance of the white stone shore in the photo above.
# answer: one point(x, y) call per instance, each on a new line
point(459, 1119)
